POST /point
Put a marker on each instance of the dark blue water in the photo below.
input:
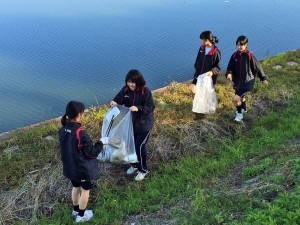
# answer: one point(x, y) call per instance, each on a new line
point(53, 51)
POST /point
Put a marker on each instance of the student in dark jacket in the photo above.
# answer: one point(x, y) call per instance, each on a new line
point(138, 98)
point(208, 59)
point(78, 155)
point(242, 69)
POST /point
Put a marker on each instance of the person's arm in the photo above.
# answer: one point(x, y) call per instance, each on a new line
point(89, 150)
point(148, 106)
point(216, 63)
point(230, 68)
point(118, 99)
point(195, 69)
point(257, 69)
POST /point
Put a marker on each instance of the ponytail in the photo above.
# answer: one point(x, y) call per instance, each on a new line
point(63, 120)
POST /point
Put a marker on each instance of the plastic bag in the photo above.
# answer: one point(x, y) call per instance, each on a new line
point(205, 100)
point(117, 126)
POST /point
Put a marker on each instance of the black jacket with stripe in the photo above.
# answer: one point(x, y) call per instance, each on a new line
point(208, 62)
point(142, 98)
point(78, 154)
point(244, 67)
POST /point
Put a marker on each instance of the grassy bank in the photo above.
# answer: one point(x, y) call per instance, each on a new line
point(204, 170)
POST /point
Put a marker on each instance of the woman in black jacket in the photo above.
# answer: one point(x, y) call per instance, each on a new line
point(242, 69)
point(208, 59)
point(79, 158)
point(138, 98)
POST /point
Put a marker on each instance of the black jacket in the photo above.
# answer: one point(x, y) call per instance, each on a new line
point(209, 62)
point(78, 154)
point(142, 98)
point(244, 67)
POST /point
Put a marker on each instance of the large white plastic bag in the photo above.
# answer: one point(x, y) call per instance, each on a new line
point(117, 126)
point(205, 100)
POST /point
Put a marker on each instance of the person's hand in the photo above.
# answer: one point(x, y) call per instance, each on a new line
point(265, 82)
point(134, 108)
point(229, 76)
point(113, 103)
point(104, 140)
point(210, 73)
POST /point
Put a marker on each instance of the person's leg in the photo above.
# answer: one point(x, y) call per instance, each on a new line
point(243, 105)
point(83, 214)
point(84, 198)
point(141, 150)
point(75, 198)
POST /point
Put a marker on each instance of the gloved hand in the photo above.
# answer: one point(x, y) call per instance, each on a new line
point(104, 140)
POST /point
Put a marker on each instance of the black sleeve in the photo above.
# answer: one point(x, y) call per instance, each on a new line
point(119, 98)
point(216, 63)
point(148, 106)
point(90, 151)
point(230, 66)
point(257, 69)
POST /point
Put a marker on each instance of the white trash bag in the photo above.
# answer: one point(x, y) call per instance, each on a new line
point(205, 100)
point(117, 126)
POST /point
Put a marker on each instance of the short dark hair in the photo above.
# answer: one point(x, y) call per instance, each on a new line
point(73, 109)
point(209, 36)
point(242, 39)
point(136, 77)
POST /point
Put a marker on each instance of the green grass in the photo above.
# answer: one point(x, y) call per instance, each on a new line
point(223, 172)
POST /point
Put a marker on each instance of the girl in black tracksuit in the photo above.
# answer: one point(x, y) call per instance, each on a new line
point(78, 155)
point(138, 98)
point(242, 69)
point(208, 59)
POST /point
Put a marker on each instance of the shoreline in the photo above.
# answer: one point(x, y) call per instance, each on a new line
point(7, 134)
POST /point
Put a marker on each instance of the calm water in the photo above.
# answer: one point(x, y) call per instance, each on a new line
point(53, 51)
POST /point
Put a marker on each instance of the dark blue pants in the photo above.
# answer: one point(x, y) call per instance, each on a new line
point(141, 140)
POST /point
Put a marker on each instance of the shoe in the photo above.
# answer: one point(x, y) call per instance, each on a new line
point(87, 211)
point(131, 170)
point(243, 111)
point(238, 117)
point(84, 218)
point(141, 176)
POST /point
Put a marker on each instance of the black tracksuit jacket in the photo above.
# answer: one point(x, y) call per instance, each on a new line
point(244, 67)
point(142, 98)
point(78, 154)
point(209, 62)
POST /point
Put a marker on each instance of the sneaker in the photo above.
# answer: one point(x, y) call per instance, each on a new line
point(88, 212)
point(238, 117)
point(141, 176)
point(131, 170)
point(84, 218)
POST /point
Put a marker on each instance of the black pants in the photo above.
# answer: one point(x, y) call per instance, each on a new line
point(140, 141)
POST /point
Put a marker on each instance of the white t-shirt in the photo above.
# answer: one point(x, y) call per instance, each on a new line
point(207, 49)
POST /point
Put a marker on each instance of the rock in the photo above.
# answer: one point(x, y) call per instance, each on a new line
point(277, 67)
point(290, 63)
point(11, 149)
point(49, 138)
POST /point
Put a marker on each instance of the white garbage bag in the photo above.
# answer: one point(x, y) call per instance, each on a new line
point(205, 100)
point(117, 126)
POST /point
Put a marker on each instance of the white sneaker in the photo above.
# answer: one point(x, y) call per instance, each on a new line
point(131, 170)
point(87, 211)
point(84, 218)
point(141, 176)
point(238, 117)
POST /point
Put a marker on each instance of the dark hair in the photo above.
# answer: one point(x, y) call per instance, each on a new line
point(136, 77)
point(242, 40)
point(209, 36)
point(73, 109)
